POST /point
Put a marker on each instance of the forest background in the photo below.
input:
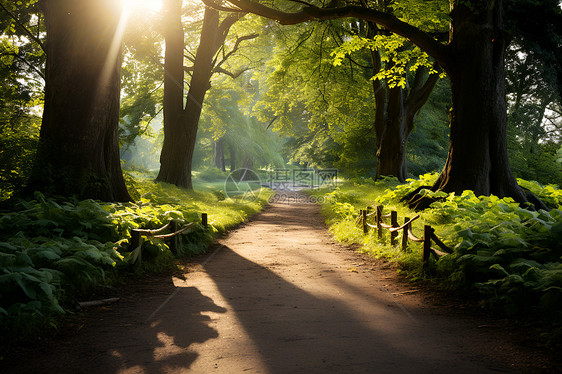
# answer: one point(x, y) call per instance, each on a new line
point(309, 95)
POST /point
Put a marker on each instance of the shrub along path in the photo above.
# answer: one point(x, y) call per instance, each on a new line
point(278, 296)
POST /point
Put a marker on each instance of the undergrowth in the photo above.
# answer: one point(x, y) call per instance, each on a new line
point(507, 256)
point(55, 252)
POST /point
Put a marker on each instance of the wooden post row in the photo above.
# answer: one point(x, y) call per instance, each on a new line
point(393, 223)
point(427, 231)
point(364, 220)
point(135, 239)
point(174, 241)
point(379, 220)
point(405, 234)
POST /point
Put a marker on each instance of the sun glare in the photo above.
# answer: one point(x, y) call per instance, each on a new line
point(151, 5)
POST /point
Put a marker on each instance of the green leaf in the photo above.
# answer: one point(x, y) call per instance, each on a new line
point(500, 269)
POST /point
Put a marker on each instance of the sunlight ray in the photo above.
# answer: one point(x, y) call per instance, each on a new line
point(113, 53)
point(150, 5)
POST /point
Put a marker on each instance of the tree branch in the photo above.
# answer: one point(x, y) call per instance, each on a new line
point(25, 62)
point(358, 64)
point(420, 94)
point(236, 47)
point(271, 122)
point(230, 74)
point(225, 26)
point(423, 40)
point(189, 58)
point(23, 28)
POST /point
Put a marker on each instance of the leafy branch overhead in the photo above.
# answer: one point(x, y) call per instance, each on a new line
point(217, 64)
point(310, 12)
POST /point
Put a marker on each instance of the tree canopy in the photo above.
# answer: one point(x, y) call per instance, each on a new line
point(311, 88)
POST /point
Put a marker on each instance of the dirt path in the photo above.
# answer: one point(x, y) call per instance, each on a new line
point(278, 296)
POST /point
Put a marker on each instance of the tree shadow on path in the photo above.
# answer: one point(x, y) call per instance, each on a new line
point(299, 332)
point(121, 340)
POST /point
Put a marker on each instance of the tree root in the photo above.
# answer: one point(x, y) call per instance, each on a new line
point(418, 202)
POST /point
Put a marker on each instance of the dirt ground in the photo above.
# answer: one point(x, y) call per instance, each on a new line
point(277, 295)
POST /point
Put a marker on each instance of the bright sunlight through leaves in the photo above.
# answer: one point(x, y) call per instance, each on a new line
point(152, 5)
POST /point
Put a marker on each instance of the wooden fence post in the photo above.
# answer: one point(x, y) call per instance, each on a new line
point(427, 231)
point(405, 234)
point(204, 219)
point(379, 220)
point(135, 239)
point(174, 241)
point(393, 223)
point(364, 220)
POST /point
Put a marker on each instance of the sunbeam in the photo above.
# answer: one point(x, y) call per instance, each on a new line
point(151, 5)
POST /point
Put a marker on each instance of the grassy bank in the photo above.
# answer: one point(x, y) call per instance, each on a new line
point(507, 256)
point(54, 253)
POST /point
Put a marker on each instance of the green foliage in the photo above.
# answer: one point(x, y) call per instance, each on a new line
point(399, 59)
point(51, 252)
point(55, 252)
point(21, 92)
point(396, 193)
point(21, 58)
point(141, 79)
point(550, 194)
point(535, 161)
point(509, 256)
point(245, 138)
point(341, 208)
point(17, 152)
point(326, 112)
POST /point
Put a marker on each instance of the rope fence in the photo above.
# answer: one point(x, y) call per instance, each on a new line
point(393, 227)
point(174, 237)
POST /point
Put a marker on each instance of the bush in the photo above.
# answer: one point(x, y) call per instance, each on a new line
point(508, 256)
point(54, 252)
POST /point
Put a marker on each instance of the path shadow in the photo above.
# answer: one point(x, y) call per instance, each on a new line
point(299, 332)
point(123, 341)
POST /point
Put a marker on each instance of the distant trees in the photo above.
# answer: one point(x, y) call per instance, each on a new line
point(239, 140)
point(359, 112)
point(474, 62)
point(22, 57)
point(533, 85)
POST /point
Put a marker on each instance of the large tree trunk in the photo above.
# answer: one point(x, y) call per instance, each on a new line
point(391, 153)
point(180, 127)
point(477, 157)
point(398, 122)
point(200, 81)
point(173, 163)
point(79, 145)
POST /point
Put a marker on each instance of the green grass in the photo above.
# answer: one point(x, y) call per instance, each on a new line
point(507, 256)
point(56, 252)
point(341, 209)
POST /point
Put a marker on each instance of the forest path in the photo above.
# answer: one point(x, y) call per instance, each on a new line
point(278, 296)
